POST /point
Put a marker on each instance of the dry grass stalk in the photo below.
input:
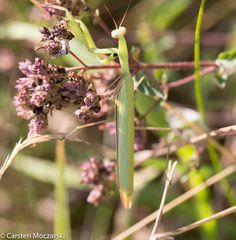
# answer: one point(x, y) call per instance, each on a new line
point(31, 140)
point(169, 175)
point(177, 201)
point(197, 224)
point(171, 148)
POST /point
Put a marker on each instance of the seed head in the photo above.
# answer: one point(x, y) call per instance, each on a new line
point(76, 7)
point(47, 86)
point(56, 41)
point(98, 175)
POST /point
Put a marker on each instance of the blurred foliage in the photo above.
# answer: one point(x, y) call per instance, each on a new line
point(164, 31)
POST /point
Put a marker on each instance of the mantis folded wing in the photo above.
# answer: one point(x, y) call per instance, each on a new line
point(125, 128)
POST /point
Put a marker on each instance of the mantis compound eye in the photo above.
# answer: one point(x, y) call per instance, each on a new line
point(121, 31)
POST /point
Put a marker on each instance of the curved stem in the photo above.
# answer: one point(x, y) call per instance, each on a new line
point(198, 90)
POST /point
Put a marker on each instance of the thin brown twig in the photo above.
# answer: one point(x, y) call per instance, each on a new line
point(196, 224)
point(152, 128)
point(79, 60)
point(190, 78)
point(171, 148)
point(170, 172)
point(38, 5)
point(197, 129)
point(177, 201)
point(146, 66)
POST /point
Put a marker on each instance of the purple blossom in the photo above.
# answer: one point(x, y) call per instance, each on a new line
point(76, 7)
point(37, 124)
point(96, 195)
point(98, 175)
point(91, 99)
point(22, 108)
point(139, 141)
point(91, 171)
point(39, 98)
point(84, 113)
point(56, 41)
point(47, 86)
point(25, 67)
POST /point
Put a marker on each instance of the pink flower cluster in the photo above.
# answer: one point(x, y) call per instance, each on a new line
point(98, 175)
point(76, 7)
point(46, 87)
point(56, 41)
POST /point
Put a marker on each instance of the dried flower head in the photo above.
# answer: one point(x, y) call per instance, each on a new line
point(99, 176)
point(76, 7)
point(56, 41)
point(139, 141)
point(46, 87)
point(96, 195)
point(91, 171)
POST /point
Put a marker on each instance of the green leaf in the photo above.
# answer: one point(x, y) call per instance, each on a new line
point(152, 112)
point(19, 31)
point(201, 205)
point(226, 67)
point(162, 16)
point(221, 81)
point(197, 82)
point(145, 86)
point(45, 171)
point(230, 55)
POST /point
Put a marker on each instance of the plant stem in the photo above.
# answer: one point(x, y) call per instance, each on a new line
point(194, 225)
point(171, 148)
point(62, 213)
point(177, 201)
point(170, 172)
point(146, 66)
point(190, 78)
point(78, 59)
point(198, 90)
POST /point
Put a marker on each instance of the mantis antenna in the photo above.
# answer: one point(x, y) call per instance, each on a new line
point(126, 11)
point(119, 31)
point(111, 16)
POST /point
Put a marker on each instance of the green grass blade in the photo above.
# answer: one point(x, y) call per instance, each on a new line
point(217, 166)
point(45, 171)
point(201, 203)
point(197, 83)
point(62, 215)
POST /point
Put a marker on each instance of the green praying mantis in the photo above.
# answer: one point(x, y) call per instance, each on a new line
point(125, 122)
point(124, 101)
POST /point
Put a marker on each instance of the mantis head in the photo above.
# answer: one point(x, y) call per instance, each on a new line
point(119, 32)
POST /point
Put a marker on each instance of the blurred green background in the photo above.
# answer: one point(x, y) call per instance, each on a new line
point(164, 31)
